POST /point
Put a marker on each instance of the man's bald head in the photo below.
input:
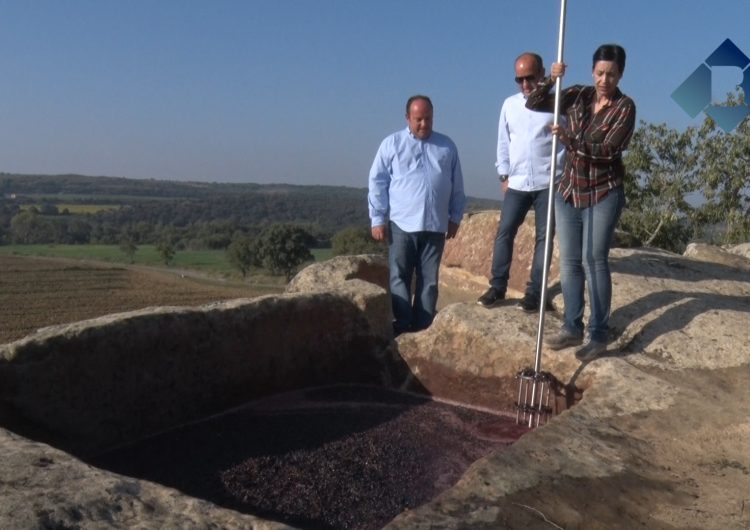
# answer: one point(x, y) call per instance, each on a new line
point(529, 71)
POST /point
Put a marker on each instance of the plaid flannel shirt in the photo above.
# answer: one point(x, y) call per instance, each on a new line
point(593, 160)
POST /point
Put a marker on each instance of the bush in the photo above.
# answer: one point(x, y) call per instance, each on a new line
point(355, 240)
point(241, 254)
point(281, 248)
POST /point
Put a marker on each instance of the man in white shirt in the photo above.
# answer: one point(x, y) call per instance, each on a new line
point(416, 201)
point(524, 159)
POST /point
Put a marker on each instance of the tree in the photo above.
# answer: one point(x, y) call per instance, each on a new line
point(7, 212)
point(104, 233)
point(48, 208)
point(128, 247)
point(283, 247)
point(725, 176)
point(355, 240)
point(166, 250)
point(22, 226)
point(78, 230)
point(28, 227)
point(661, 175)
point(241, 254)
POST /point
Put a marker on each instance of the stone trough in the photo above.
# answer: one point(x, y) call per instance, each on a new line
point(659, 439)
point(280, 407)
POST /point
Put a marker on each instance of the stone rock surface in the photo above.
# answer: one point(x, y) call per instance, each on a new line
point(86, 386)
point(159, 367)
point(743, 249)
point(736, 257)
point(43, 487)
point(362, 279)
point(658, 440)
point(334, 273)
point(467, 259)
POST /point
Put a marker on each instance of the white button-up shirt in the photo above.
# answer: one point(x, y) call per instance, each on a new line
point(416, 183)
point(524, 146)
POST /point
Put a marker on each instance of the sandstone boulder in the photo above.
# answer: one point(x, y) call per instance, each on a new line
point(660, 411)
point(467, 259)
point(122, 376)
point(658, 439)
point(743, 249)
point(43, 487)
point(362, 279)
point(335, 272)
point(714, 254)
point(90, 385)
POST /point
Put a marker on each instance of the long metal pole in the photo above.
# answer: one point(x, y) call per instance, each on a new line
point(550, 213)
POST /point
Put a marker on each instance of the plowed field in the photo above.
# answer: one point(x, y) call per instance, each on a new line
point(39, 292)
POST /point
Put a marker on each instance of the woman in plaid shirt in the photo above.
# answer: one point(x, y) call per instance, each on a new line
point(590, 195)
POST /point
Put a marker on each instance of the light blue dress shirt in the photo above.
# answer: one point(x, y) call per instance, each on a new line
point(524, 146)
point(416, 183)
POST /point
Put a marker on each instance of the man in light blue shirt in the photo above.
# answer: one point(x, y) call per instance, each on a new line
point(416, 201)
point(524, 159)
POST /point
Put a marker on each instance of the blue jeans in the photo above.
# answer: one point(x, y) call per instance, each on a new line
point(584, 236)
point(412, 253)
point(516, 205)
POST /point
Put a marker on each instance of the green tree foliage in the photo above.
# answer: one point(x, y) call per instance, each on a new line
point(355, 240)
point(22, 225)
point(241, 254)
point(128, 247)
point(681, 186)
point(661, 175)
point(202, 215)
point(689, 185)
point(281, 248)
point(724, 161)
point(28, 227)
point(166, 251)
point(7, 212)
point(48, 209)
point(77, 230)
point(216, 234)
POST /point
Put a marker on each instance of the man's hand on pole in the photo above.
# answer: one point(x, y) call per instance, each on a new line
point(557, 70)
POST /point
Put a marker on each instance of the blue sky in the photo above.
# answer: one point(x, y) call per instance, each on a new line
point(303, 91)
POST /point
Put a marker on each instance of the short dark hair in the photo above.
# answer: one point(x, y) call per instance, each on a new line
point(610, 52)
point(537, 58)
point(415, 98)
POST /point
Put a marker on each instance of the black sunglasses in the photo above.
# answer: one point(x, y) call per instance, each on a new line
point(529, 78)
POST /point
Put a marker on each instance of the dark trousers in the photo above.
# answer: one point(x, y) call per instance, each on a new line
point(516, 205)
point(409, 254)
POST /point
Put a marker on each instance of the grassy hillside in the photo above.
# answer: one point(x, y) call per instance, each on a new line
point(77, 209)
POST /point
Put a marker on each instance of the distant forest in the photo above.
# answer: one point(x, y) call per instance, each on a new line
point(105, 210)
